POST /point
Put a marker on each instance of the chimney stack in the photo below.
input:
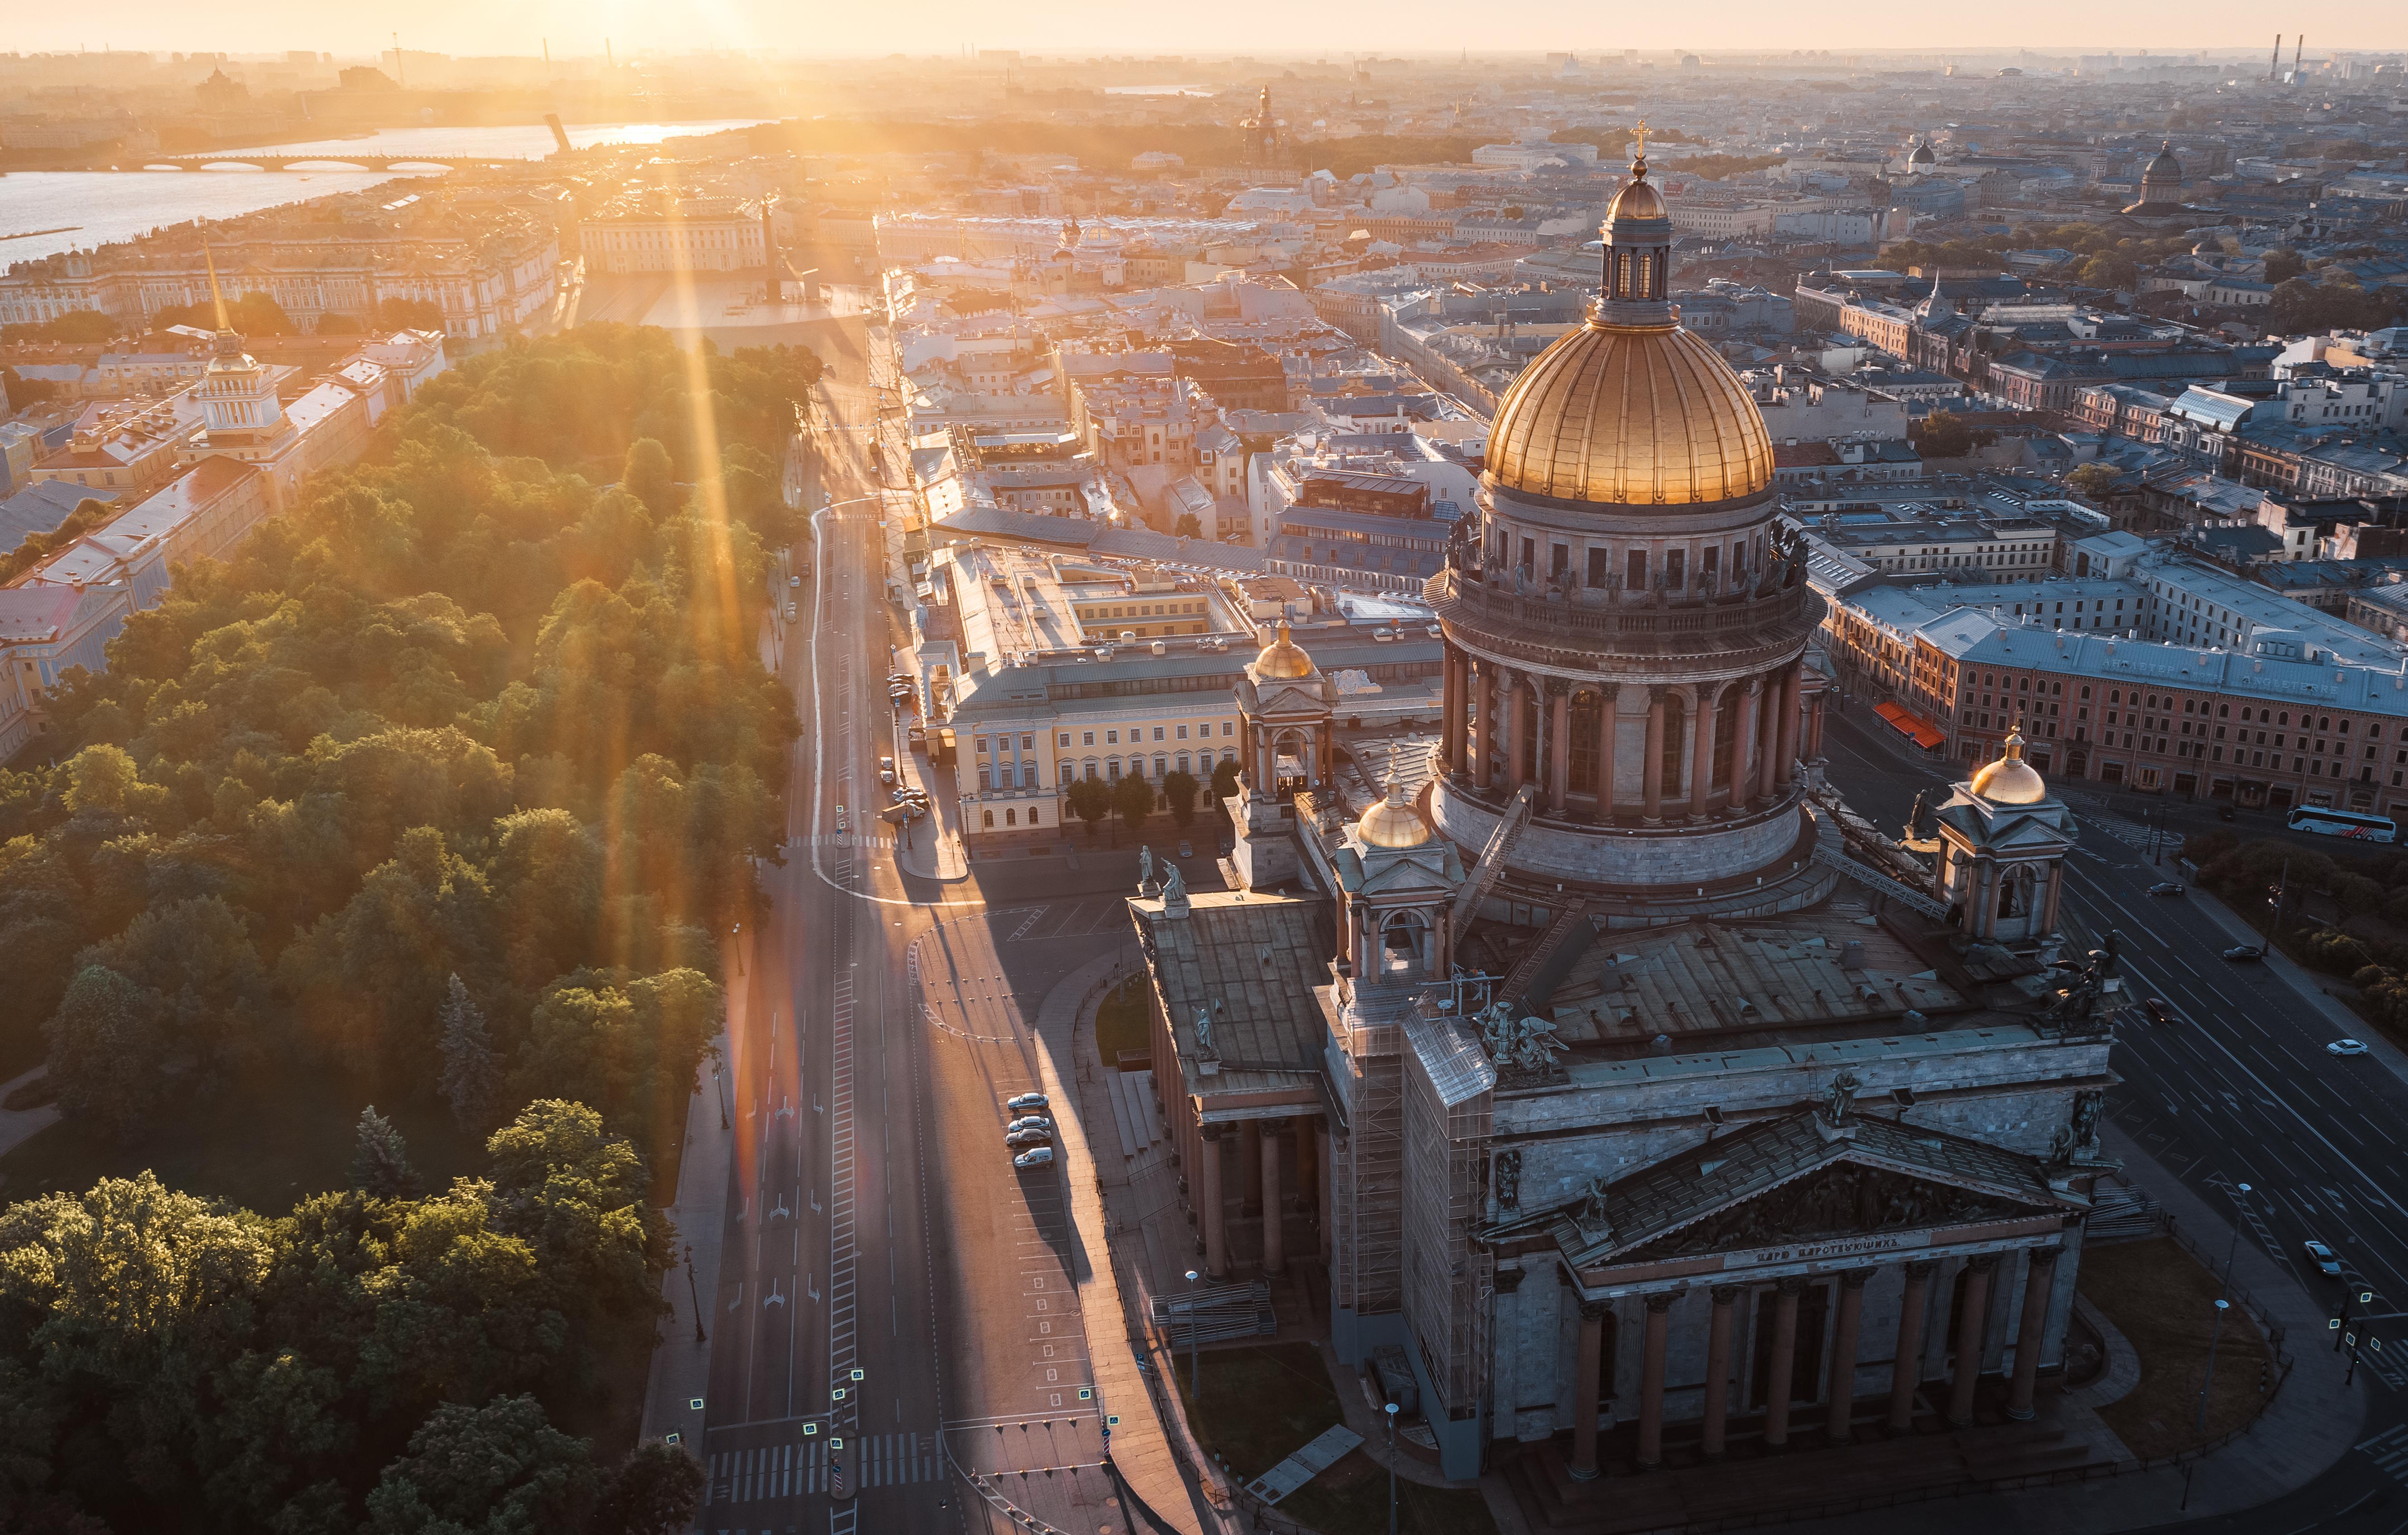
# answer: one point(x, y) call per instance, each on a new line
point(2274, 66)
point(2298, 45)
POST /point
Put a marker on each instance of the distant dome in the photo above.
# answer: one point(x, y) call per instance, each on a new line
point(1392, 823)
point(2010, 780)
point(1283, 657)
point(2165, 167)
point(1922, 155)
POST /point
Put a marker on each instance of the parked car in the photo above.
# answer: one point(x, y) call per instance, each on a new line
point(2224, 813)
point(1186, 850)
point(2322, 1257)
point(2165, 887)
point(790, 612)
point(886, 769)
point(1041, 1158)
point(1025, 1102)
point(2158, 1011)
point(2346, 1047)
point(1030, 1122)
point(794, 581)
point(2243, 954)
point(1019, 1138)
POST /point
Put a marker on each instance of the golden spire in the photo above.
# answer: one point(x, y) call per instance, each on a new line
point(215, 297)
point(1639, 148)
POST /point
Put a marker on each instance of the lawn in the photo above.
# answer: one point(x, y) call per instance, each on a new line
point(2165, 1303)
point(1123, 1020)
point(1264, 1404)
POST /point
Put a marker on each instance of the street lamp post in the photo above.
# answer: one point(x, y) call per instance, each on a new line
point(719, 1074)
point(694, 1290)
point(736, 934)
point(1194, 1358)
point(2209, 1384)
point(2232, 1248)
point(1392, 1468)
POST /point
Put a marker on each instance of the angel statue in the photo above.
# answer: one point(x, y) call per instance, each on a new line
point(1204, 1047)
point(1144, 869)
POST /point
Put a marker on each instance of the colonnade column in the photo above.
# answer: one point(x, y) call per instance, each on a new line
point(1484, 722)
point(1208, 1195)
point(1249, 1167)
point(1718, 1354)
point(1767, 733)
point(2049, 896)
point(1585, 1390)
point(1791, 682)
point(1838, 1423)
point(1452, 709)
point(1560, 743)
point(1274, 1252)
point(1517, 729)
point(1650, 1380)
point(1701, 745)
point(1609, 727)
point(1906, 1374)
point(1307, 1162)
point(1784, 1359)
point(1971, 1326)
point(2039, 1279)
point(1743, 712)
point(1651, 766)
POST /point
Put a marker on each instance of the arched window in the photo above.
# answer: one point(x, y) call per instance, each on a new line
point(1404, 943)
point(989, 819)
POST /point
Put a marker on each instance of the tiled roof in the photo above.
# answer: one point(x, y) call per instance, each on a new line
point(1254, 960)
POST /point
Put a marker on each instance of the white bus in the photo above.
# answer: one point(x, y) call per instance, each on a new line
point(2349, 824)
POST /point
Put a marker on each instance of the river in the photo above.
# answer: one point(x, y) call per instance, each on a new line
point(50, 211)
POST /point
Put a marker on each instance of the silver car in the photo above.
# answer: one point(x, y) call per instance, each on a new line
point(1030, 1122)
point(1041, 1157)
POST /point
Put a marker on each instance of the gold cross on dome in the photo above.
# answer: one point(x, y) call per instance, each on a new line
point(1639, 141)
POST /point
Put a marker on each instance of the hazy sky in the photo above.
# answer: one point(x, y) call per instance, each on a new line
point(1261, 27)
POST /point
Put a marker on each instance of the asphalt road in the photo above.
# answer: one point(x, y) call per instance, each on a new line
point(2237, 1089)
point(875, 1223)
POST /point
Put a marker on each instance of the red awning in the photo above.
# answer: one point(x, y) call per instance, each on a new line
point(1913, 727)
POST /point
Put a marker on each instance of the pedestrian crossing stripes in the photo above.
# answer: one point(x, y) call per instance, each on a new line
point(2389, 1450)
point(800, 1469)
point(846, 840)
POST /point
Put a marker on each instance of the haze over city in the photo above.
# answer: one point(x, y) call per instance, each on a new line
point(968, 771)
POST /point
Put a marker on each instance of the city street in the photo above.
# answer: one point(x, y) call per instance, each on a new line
point(895, 1313)
point(2238, 1088)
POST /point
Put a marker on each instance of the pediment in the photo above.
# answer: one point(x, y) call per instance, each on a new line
point(1844, 1198)
point(1284, 697)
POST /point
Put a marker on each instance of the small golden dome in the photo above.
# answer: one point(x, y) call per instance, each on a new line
point(1392, 823)
point(1637, 199)
point(2010, 780)
point(1631, 415)
point(1283, 657)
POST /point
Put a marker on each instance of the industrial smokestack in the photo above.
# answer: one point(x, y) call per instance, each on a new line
point(2274, 66)
point(2298, 45)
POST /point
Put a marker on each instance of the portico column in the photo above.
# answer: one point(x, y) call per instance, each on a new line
point(1718, 1350)
point(1274, 1254)
point(1785, 1358)
point(1453, 710)
point(1768, 731)
point(1785, 766)
point(1972, 1324)
point(1651, 765)
point(1208, 1187)
point(1560, 743)
point(1609, 728)
point(1842, 1388)
point(2055, 888)
point(1743, 744)
point(1250, 1168)
point(1307, 1162)
point(1484, 723)
point(1585, 1390)
point(1906, 1373)
point(1651, 1381)
point(1517, 728)
point(2039, 1278)
point(1701, 746)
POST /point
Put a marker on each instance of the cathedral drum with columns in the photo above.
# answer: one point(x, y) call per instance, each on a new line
point(1643, 1111)
point(1626, 626)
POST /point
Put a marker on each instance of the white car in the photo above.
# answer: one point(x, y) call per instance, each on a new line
point(1025, 1102)
point(2346, 1047)
point(794, 581)
point(1041, 1158)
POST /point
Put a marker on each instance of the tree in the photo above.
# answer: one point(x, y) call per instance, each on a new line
point(1943, 434)
point(501, 1469)
point(1187, 526)
point(654, 1491)
point(1179, 788)
point(381, 1165)
point(248, 314)
point(411, 314)
point(109, 1047)
point(2095, 480)
point(1090, 800)
point(2283, 266)
point(1224, 780)
point(649, 477)
point(74, 327)
point(469, 1080)
point(1133, 798)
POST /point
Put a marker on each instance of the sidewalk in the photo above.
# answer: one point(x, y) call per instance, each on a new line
point(931, 848)
point(680, 1366)
point(2311, 1423)
point(1140, 1450)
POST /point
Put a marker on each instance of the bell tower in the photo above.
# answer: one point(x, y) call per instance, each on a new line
point(239, 403)
point(1283, 706)
point(2003, 838)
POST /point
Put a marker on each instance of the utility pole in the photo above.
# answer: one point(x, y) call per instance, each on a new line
point(694, 1291)
point(2209, 1384)
point(2240, 1197)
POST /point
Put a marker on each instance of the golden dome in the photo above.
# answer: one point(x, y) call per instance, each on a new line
point(1637, 199)
point(1632, 415)
point(1282, 657)
point(2010, 780)
point(1392, 823)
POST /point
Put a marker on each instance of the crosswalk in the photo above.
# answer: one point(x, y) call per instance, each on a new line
point(800, 1469)
point(2389, 1450)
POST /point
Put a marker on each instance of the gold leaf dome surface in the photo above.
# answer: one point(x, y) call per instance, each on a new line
point(1637, 199)
point(1283, 658)
point(1392, 823)
point(1631, 415)
point(2010, 780)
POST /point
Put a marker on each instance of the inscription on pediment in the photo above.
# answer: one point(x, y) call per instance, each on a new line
point(1843, 1201)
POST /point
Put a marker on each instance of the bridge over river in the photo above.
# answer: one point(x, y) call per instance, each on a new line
point(327, 160)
